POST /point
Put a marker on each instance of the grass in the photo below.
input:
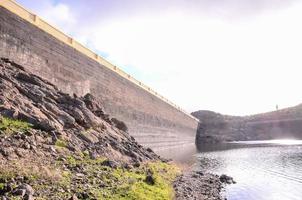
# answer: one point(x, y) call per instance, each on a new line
point(41, 177)
point(8, 125)
point(31, 171)
point(133, 185)
point(104, 182)
point(61, 143)
point(2, 185)
point(99, 181)
point(121, 183)
point(128, 184)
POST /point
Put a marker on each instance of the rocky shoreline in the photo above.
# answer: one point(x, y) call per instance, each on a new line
point(196, 185)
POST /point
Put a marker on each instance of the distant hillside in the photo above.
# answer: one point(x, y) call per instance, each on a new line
point(215, 127)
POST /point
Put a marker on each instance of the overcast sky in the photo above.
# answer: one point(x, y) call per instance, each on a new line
point(236, 57)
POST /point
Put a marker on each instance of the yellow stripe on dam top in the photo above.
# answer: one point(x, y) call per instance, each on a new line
point(17, 9)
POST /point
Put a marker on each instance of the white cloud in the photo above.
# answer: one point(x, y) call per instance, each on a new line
point(238, 67)
point(61, 16)
point(234, 67)
point(57, 14)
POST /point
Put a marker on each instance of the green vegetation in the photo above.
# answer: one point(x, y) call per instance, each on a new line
point(61, 143)
point(30, 171)
point(11, 125)
point(41, 178)
point(2, 185)
point(82, 175)
point(132, 185)
point(126, 184)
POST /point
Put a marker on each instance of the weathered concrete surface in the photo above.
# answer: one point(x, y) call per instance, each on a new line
point(151, 121)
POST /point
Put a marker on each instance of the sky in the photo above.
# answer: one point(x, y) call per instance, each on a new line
point(236, 57)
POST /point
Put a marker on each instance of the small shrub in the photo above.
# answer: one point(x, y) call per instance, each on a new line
point(11, 125)
point(61, 143)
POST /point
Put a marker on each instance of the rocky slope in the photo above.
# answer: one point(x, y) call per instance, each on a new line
point(78, 121)
point(215, 127)
point(54, 146)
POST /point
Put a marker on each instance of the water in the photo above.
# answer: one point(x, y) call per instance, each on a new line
point(263, 170)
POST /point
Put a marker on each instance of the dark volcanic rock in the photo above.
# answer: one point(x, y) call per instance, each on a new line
point(226, 179)
point(149, 178)
point(110, 163)
point(119, 124)
point(25, 191)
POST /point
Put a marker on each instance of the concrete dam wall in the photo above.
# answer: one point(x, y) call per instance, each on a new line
point(153, 120)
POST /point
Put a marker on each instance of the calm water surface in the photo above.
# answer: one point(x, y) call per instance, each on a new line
point(263, 170)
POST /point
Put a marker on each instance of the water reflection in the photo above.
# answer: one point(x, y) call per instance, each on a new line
point(263, 170)
point(277, 142)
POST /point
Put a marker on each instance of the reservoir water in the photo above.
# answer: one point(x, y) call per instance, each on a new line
point(263, 170)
